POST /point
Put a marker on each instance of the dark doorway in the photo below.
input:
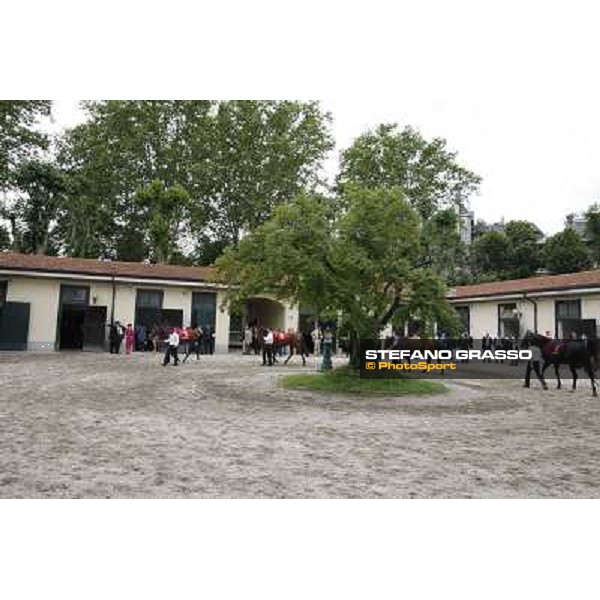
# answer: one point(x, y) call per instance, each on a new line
point(14, 325)
point(72, 318)
point(94, 328)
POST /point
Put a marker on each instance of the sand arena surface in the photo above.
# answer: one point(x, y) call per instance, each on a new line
point(100, 426)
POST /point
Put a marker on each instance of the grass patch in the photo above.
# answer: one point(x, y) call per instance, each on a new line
point(346, 380)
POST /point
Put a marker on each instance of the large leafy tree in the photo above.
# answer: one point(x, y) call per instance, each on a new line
point(427, 172)
point(566, 252)
point(443, 249)
point(489, 255)
point(236, 160)
point(266, 152)
point(20, 137)
point(162, 214)
point(524, 248)
point(32, 214)
point(360, 263)
point(124, 146)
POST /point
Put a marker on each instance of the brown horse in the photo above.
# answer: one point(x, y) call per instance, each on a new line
point(294, 341)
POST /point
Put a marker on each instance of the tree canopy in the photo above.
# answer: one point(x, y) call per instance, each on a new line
point(566, 252)
point(20, 137)
point(427, 172)
point(236, 160)
point(361, 263)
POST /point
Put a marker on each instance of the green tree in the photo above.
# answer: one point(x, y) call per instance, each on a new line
point(360, 262)
point(426, 171)
point(236, 160)
point(5, 242)
point(19, 135)
point(83, 224)
point(124, 146)
point(162, 217)
point(266, 153)
point(524, 249)
point(41, 190)
point(566, 252)
point(443, 250)
point(490, 256)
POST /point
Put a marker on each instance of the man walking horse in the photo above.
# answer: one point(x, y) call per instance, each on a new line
point(577, 354)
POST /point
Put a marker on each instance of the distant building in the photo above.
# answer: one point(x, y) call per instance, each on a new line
point(578, 222)
point(466, 225)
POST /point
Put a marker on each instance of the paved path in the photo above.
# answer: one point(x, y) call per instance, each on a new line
point(95, 425)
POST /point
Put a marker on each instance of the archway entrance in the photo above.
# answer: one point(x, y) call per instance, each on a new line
point(258, 312)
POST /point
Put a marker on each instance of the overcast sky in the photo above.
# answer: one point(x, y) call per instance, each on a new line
point(539, 159)
point(512, 86)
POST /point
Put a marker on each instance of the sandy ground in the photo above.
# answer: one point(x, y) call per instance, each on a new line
point(100, 426)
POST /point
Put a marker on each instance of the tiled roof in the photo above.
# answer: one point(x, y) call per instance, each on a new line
point(585, 279)
point(85, 266)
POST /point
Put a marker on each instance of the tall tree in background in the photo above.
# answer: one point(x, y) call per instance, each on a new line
point(566, 252)
point(266, 153)
point(124, 146)
point(443, 250)
point(162, 217)
point(32, 215)
point(236, 160)
point(19, 137)
point(489, 255)
point(524, 249)
point(426, 171)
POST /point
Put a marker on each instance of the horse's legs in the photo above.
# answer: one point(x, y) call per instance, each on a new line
point(287, 360)
point(589, 369)
point(574, 373)
point(557, 371)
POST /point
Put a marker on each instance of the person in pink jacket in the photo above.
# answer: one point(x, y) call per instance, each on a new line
point(129, 338)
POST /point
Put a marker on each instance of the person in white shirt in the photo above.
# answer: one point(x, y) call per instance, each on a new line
point(533, 365)
point(316, 338)
point(268, 347)
point(172, 346)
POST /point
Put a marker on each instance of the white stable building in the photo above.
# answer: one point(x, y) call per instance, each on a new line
point(55, 303)
point(559, 304)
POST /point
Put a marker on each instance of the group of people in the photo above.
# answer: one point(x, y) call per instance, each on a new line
point(194, 339)
point(118, 333)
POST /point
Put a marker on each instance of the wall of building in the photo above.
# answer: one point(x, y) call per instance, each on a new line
point(42, 297)
point(484, 313)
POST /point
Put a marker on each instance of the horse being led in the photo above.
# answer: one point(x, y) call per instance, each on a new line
point(293, 340)
point(574, 353)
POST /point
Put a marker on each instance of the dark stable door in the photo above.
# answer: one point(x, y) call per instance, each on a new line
point(14, 326)
point(94, 328)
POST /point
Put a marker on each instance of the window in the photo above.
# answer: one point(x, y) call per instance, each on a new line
point(149, 299)
point(567, 315)
point(568, 309)
point(72, 294)
point(508, 320)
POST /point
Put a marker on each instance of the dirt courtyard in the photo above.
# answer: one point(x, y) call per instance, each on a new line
point(81, 425)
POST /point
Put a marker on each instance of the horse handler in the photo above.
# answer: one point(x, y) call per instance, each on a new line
point(268, 347)
point(172, 346)
point(534, 364)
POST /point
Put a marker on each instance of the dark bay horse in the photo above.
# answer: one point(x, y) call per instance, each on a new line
point(576, 354)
